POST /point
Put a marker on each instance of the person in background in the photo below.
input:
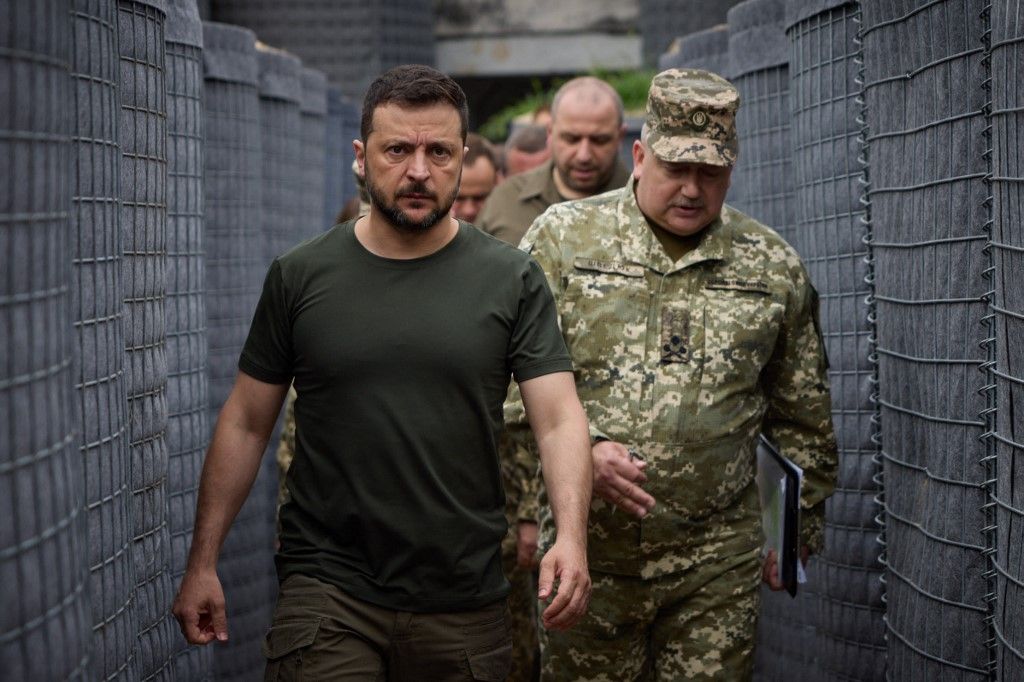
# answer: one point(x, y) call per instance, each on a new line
point(584, 135)
point(400, 330)
point(525, 149)
point(479, 178)
point(693, 329)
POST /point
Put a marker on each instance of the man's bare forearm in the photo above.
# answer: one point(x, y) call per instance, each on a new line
point(232, 462)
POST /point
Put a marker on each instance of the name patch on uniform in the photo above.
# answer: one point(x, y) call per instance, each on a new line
point(609, 267)
point(737, 284)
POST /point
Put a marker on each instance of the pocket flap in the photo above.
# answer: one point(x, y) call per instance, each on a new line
point(284, 638)
point(609, 267)
point(491, 664)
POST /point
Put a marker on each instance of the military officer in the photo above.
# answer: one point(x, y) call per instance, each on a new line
point(692, 328)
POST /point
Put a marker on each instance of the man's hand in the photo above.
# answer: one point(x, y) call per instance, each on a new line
point(526, 544)
point(199, 608)
point(568, 565)
point(770, 569)
point(617, 478)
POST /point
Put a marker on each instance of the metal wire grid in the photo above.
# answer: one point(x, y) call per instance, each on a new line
point(707, 49)
point(313, 127)
point(1006, 116)
point(661, 21)
point(829, 235)
point(339, 185)
point(187, 394)
point(144, 225)
point(928, 213)
point(98, 305)
point(44, 625)
point(349, 40)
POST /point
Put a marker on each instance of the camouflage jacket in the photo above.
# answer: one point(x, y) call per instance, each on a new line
point(686, 362)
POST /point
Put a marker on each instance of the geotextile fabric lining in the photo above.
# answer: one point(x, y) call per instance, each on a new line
point(45, 624)
point(1006, 499)
point(707, 49)
point(187, 392)
point(661, 21)
point(928, 209)
point(313, 109)
point(351, 41)
point(829, 234)
point(235, 266)
point(98, 307)
point(143, 95)
point(762, 180)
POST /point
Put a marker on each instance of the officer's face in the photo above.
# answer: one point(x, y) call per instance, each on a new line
point(412, 160)
point(584, 139)
point(682, 198)
point(478, 180)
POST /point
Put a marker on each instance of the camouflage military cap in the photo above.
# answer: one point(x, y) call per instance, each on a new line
point(691, 116)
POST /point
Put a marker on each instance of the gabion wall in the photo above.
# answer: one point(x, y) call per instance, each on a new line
point(661, 21)
point(313, 110)
point(1006, 442)
point(44, 623)
point(342, 126)
point(187, 388)
point(758, 54)
point(927, 197)
point(829, 232)
point(98, 308)
point(349, 41)
point(707, 49)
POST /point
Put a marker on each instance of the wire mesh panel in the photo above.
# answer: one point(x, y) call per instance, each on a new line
point(707, 49)
point(661, 21)
point(144, 224)
point(349, 40)
point(235, 268)
point(762, 183)
point(341, 128)
point(1007, 249)
point(44, 623)
point(313, 111)
point(829, 233)
point(97, 297)
point(924, 104)
point(187, 397)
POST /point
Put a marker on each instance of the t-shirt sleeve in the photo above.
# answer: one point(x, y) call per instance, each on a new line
point(267, 353)
point(537, 347)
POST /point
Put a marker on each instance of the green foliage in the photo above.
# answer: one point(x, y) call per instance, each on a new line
point(631, 85)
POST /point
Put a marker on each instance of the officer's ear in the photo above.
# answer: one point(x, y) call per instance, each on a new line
point(638, 158)
point(360, 150)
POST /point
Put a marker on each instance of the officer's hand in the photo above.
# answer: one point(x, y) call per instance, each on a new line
point(526, 544)
point(199, 608)
point(566, 563)
point(770, 570)
point(617, 478)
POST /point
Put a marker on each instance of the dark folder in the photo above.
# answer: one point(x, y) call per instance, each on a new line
point(772, 467)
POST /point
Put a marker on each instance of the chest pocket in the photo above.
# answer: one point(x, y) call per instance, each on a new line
point(604, 321)
point(741, 326)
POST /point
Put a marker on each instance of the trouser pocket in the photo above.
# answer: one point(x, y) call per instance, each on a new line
point(285, 646)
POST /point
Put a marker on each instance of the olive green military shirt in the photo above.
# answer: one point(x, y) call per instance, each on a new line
point(515, 204)
point(686, 362)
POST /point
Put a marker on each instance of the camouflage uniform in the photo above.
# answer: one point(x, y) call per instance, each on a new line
point(684, 363)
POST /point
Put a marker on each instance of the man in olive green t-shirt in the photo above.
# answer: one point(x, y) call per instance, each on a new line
point(400, 330)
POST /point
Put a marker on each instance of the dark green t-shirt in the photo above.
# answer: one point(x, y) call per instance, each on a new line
point(401, 368)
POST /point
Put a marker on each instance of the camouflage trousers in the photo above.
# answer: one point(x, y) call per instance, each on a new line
point(522, 608)
point(697, 625)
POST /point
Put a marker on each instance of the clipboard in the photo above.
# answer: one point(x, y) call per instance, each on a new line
point(779, 481)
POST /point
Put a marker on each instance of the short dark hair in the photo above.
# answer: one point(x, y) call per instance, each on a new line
point(413, 85)
point(478, 147)
point(529, 138)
